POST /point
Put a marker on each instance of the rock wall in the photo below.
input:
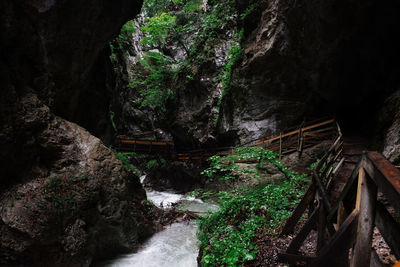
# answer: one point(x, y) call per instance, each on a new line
point(389, 128)
point(82, 206)
point(310, 59)
point(65, 198)
point(301, 61)
point(191, 114)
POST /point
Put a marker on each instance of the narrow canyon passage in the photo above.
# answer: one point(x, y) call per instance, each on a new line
point(188, 85)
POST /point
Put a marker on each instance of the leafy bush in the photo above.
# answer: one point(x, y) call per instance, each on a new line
point(227, 236)
point(125, 157)
point(122, 43)
point(224, 167)
point(155, 83)
point(157, 29)
point(155, 163)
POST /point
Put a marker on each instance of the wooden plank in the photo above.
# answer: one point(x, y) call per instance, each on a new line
point(331, 176)
point(294, 258)
point(321, 227)
point(389, 228)
point(280, 146)
point(341, 214)
point(336, 252)
point(320, 132)
point(345, 190)
point(365, 204)
point(302, 235)
point(323, 159)
point(322, 192)
point(386, 176)
point(295, 132)
point(299, 210)
point(329, 165)
point(143, 142)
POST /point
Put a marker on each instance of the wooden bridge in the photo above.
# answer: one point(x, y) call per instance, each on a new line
point(345, 222)
point(294, 140)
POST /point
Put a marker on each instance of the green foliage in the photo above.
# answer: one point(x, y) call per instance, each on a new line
point(125, 157)
point(155, 163)
point(185, 24)
point(122, 42)
point(155, 83)
point(235, 55)
point(224, 167)
point(227, 236)
point(157, 29)
point(63, 193)
point(192, 6)
point(154, 7)
point(248, 10)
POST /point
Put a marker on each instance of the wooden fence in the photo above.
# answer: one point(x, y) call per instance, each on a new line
point(345, 227)
point(297, 139)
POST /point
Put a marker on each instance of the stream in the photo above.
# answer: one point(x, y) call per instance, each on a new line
point(176, 245)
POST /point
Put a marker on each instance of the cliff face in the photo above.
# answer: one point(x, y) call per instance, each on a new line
point(55, 49)
point(313, 59)
point(300, 60)
point(194, 55)
point(65, 198)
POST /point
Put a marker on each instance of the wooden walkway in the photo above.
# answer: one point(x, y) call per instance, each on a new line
point(342, 202)
point(295, 140)
point(345, 222)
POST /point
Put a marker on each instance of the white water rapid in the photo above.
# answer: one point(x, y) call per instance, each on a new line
point(176, 245)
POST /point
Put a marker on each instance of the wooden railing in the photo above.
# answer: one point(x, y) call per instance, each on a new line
point(124, 143)
point(301, 138)
point(294, 140)
point(345, 227)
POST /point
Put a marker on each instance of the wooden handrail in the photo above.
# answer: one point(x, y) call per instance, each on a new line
point(295, 132)
point(373, 173)
point(286, 144)
point(140, 142)
point(386, 177)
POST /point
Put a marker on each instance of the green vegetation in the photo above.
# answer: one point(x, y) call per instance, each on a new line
point(235, 55)
point(126, 157)
point(122, 43)
point(171, 25)
point(156, 163)
point(225, 168)
point(227, 236)
point(155, 82)
point(157, 29)
point(63, 193)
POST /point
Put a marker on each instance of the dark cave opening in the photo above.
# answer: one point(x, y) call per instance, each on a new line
point(367, 70)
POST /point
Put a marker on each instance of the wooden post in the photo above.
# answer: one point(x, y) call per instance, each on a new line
point(321, 227)
point(341, 215)
point(300, 144)
point(365, 204)
point(300, 139)
point(280, 146)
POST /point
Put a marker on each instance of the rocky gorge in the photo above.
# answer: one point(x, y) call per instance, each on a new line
point(76, 74)
point(276, 63)
point(52, 77)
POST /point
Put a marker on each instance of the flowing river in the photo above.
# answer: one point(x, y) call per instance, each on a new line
point(176, 245)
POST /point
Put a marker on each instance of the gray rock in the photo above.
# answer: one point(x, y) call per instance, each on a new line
point(53, 220)
point(391, 114)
